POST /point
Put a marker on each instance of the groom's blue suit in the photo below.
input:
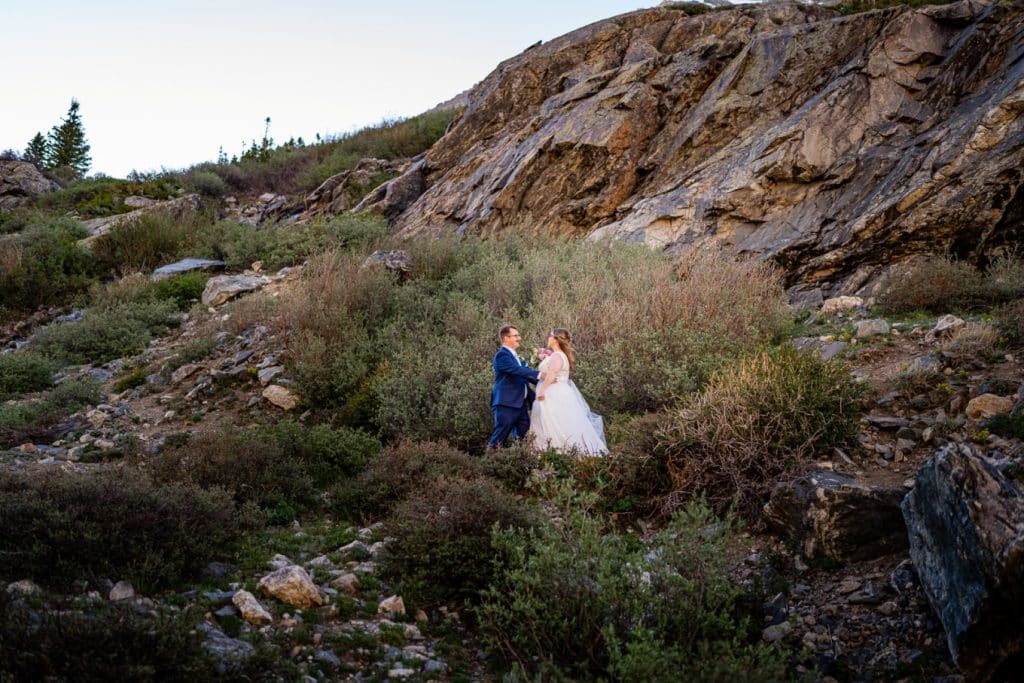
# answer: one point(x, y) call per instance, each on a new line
point(509, 397)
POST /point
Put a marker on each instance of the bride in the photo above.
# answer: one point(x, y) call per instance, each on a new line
point(561, 418)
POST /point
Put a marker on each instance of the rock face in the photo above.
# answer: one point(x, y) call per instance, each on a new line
point(965, 520)
point(20, 181)
point(834, 145)
point(832, 515)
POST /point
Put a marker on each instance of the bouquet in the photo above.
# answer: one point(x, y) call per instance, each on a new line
point(542, 353)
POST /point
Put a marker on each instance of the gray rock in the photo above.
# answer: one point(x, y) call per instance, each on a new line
point(929, 363)
point(965, 521)
point(20, 181)
point(434, 666)
point(222, 288)
point(184, 266)
point(227, 611)
point(831, 514)
point(327, 657)
point(886, 421)
point(395, 260)
point(872, 328)
point(829, 351)
point(776, 632)
point(219, 597)
point(122, 590)
point(267, 375)
point(229, 652)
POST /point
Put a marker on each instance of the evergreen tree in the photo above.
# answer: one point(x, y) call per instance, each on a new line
point(68, 148)
point(37, 150)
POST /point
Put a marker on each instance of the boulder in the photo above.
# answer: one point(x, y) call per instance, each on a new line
point(872, 328)
point(230, 653)
point(345, 190)
point(944, 327)
point(987, 405)
point(347, 582)
point(223, 288)
point(395, 260)
point(965, 521)
point(122, 590)
point(291, 585)
point(841, 304)
point(251, 609)
point(832, 515)
point(280, 397)
point(20, 181)
point(393, 605)
point(184, 266)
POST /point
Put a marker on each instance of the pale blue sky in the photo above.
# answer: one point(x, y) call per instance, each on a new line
point(165, 84)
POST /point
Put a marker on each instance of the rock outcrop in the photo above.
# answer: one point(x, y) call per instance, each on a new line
point(345, 190)
point(834, 145)
point(172, 207)
point(965, 520)
point(20, 181)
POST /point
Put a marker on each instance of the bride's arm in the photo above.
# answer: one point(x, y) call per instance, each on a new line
point(550, 374)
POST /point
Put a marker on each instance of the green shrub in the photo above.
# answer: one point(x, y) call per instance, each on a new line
point(570, 602)
point(60, 527)
point(253, 469)
point(632, 477)
point(1008, 425)
point(43, 265)
point(35, 421)
point(98, 642)
point(512, 466)
point(757, 420)
point(23, 373)
point(397, 471)
point(326, 454)
point(183, 290)
point(940, 283)
point(144, 242)
point(205, 183)
point(192, 351)
point(105, 334)
point(130, 380)
point(442, 537)
point(97, 197)
point(1009, 322)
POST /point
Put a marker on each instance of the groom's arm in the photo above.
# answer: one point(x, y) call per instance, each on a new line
point(503, 362)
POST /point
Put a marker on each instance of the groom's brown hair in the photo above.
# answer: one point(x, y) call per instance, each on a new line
point(505, 331)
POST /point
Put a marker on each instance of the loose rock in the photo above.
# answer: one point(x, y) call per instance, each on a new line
point(291, 585)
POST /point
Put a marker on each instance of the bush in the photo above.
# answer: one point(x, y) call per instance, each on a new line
point(632, 476)
point(97, 197)
point(43, 265)
point(206, 183)
point(1008, 425)
point(35, 421)
point(105, 334)
point(143, 243)
point(327, 454)
point(98, 642)
point(759, 419)
point(442, 537)
point(1009, 322)
point(512, 466)
point(940, 283)
point(569, 602)
point(23, 373)
point(973, 340)
point(183, 290)
point(252, 468)
point(395, 473)
point(61, 527)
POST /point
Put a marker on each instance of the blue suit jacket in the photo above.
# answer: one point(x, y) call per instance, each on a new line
point(511, 380)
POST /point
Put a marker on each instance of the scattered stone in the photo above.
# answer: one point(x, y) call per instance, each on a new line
point(184, 372)
point(392, 605)
point(421, 615)
point(831, 350)
point(252, 611)
point(946, 325)
point(327, 657)
point(320, 561)
point(227, 611)
point(347, 582)
point(223, 288)
point(266, 375)
point(965, 521)
point(122, 590)
point(988, 405)
point(184, 266)
point(776, 632)
point(929, 363)
point(280, 397)
point(97, 418)
point(28, 448)
point(841, 304)
point(229, 652)
point(25, 587)
point(434, 666)
point(401, 672)
point(886, 422)
point(291, 585)
point(847, 586)
point(872, 328)
point(219, 597)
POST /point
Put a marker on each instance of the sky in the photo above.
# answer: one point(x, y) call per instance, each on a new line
point(166, 84)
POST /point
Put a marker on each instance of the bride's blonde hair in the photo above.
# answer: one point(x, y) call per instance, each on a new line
point(564, 340)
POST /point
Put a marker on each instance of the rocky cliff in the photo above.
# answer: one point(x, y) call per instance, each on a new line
point(834, 145)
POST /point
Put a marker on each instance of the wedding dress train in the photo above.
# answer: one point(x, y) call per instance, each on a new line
point(563, 420)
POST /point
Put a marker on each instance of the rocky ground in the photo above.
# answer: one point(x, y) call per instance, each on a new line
point(846, 593)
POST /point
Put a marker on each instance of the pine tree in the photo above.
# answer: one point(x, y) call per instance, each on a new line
point(68, 148)
point(37, 150)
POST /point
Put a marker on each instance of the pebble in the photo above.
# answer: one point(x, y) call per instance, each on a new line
point(847, 586)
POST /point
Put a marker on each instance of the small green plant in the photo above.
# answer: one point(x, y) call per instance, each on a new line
point(130, 380)
point(34, 421)
point(981, 436)
point(1008, 425)
point(23, 373)
point(183, 289)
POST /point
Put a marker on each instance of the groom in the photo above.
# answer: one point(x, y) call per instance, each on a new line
point(509, 396)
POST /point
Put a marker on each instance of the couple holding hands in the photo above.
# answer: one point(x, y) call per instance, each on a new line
point(555, 412)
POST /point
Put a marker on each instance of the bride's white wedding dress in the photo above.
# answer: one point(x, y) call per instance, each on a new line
point(563, 420)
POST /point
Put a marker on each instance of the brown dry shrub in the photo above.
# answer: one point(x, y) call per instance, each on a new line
point(757, 420)
point(973, 340)
point(250, 311)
